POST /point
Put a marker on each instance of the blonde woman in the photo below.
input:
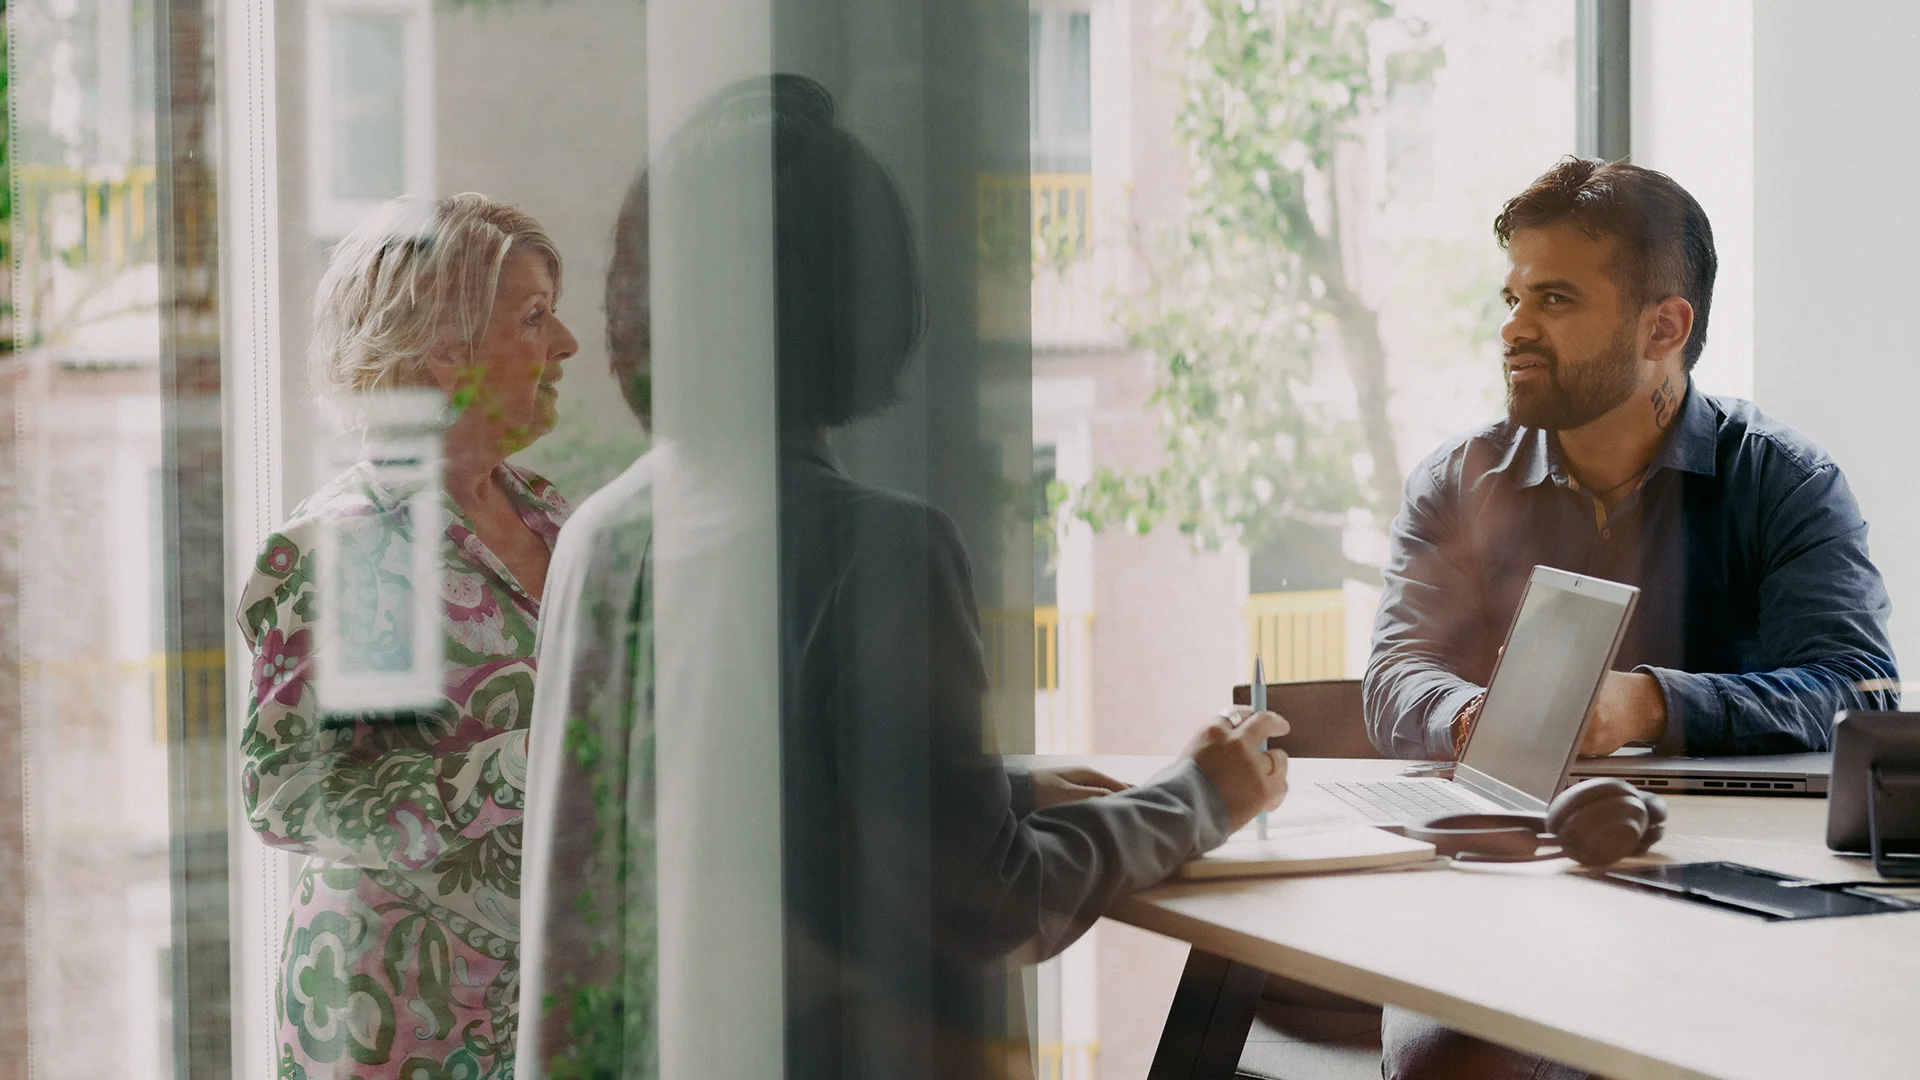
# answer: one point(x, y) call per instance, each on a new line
point(401, 956)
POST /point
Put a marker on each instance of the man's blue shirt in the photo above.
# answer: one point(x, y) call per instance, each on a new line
point(1760, 614)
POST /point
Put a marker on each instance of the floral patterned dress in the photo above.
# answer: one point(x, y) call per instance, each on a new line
point(402, 953)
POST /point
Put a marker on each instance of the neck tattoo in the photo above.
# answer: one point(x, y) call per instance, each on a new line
point(1666, 402)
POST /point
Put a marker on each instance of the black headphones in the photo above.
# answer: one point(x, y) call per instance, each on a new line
point(1595, 823)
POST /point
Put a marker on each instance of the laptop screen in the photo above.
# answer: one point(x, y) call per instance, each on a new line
point(1561, 643)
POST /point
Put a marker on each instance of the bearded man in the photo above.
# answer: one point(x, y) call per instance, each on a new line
point(1760, 614)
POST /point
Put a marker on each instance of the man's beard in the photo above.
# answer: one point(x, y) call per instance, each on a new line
point(1579, 396)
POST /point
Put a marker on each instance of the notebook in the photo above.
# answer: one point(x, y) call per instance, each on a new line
point(1306, 850)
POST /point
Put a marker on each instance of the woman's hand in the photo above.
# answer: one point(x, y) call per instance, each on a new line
point(1052, 787)
point(1232, 752)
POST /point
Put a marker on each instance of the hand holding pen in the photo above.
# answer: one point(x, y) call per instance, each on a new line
point(1232, 752)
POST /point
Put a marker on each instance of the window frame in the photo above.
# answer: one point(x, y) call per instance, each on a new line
point(1603, 79)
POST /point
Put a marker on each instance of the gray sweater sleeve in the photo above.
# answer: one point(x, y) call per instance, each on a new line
point(1020, 785)
point(1011, 875)
point(1094, 851)
point(1003, 875)
point(1042, 879)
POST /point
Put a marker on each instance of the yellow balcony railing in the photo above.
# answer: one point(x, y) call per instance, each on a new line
point(81, 693)
point(1299, 636)
point(1067, 1061)
point(1046, 648)
point(1041, 279)
point(1054, 658)
point(115, 216)
point(1054, 225)
point(998, 628)
point(1062, 216)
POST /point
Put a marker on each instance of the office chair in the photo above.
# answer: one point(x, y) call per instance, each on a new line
point(1325, 714)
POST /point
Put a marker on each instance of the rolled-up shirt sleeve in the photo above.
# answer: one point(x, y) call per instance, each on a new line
point(1425, 626)
point(1823, 630)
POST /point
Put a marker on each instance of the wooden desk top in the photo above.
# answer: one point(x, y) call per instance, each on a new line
point(1619, 983)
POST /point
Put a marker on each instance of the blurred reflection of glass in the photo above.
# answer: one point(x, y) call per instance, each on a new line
point(362, 662)
point(917, 869)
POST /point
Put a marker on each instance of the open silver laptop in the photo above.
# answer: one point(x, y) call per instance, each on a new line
point(1561, 642)
point(1760, 774)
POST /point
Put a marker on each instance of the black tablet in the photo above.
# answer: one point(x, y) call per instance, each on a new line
point(1750, 890)
point(1862, 740)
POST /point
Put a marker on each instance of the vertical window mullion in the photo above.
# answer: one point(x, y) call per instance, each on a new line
point(1603, 86)
point(193, 493)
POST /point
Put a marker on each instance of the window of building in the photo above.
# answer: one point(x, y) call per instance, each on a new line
point(369, 106)
point(1060, 90)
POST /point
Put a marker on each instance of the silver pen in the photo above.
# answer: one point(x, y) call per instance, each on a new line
point(1257, 695)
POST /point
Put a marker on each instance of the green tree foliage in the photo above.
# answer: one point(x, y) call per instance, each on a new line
point(6, 191)
point(1271, 380)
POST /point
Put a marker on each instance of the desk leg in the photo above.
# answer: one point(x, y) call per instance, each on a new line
point(1208, 1023)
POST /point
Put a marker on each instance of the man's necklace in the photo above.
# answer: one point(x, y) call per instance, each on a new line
point(1605, 495)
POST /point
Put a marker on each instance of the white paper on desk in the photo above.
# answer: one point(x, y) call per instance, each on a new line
point(1308, 810)
point(1306, 849)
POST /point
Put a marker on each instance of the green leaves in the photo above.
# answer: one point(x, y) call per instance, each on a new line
point(6, 189)
point(1269, 389)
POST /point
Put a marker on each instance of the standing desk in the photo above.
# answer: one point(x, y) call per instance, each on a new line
point(1620, 983)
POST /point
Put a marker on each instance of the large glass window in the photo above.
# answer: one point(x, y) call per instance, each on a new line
point(1161, 341)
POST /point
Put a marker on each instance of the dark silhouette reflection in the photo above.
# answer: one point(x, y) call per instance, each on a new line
point(915, 866)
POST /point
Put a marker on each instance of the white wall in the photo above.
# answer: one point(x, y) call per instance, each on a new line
point(1693, 120)
point(1836, 149)
point(1793, 125)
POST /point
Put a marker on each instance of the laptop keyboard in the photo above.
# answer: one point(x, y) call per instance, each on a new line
point(1400, 801)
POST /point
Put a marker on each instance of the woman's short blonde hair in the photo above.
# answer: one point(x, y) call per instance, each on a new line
point(418, 271)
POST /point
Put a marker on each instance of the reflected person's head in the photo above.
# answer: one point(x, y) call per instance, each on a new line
point(457, 294)
point(1609, 282)
point(849, 301)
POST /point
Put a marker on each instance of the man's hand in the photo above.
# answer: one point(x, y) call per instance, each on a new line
point(1051, 787)
point(1232, 752)
point(1630, 708)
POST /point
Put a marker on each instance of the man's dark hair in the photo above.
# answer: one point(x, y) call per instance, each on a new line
point(849, 292)
point(1665, 243)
